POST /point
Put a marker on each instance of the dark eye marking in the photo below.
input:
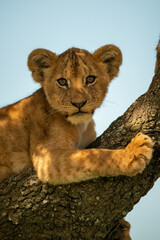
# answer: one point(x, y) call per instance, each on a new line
point(62, 82)
point(90, 79)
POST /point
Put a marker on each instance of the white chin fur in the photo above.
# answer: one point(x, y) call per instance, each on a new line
point(80, 118)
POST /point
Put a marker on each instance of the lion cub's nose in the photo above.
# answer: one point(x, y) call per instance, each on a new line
point(78, 104)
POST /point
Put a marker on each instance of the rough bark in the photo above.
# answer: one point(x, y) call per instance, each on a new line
point(88, 210)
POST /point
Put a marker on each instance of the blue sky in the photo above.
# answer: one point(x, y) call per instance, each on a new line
point(57, 25)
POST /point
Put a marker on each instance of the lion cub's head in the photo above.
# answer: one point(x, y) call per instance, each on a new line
point(76, 81)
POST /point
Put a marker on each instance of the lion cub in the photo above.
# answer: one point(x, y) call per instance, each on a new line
point(51, 128)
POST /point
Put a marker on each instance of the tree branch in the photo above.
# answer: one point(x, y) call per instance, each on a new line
point(87, 210)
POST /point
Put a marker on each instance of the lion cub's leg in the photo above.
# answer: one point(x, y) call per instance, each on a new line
point(60, 166)
point(138, 153)
point(5, 172)
point(15, 162)
point(125, 228)
point(122, 231)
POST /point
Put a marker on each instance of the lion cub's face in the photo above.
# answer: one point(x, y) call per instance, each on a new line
point(75, 82)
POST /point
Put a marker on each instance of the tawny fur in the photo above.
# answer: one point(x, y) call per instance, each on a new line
point(47, 130)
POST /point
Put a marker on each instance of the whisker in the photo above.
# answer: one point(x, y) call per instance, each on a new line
point(111, 102)
point(65, 109)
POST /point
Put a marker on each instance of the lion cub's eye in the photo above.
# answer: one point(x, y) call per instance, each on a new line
point(90, 80)
point(62, 82)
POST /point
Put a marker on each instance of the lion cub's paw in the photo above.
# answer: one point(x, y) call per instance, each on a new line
point(140, 151)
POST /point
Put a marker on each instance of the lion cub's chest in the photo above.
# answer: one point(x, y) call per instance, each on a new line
point(83, 136)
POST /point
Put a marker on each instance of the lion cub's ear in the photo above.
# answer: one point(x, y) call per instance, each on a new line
point(111, 57)
point(38, 60)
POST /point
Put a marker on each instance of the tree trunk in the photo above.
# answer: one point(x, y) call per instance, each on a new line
point(88, 210)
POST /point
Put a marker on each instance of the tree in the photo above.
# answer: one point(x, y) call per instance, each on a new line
point(87, 210)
